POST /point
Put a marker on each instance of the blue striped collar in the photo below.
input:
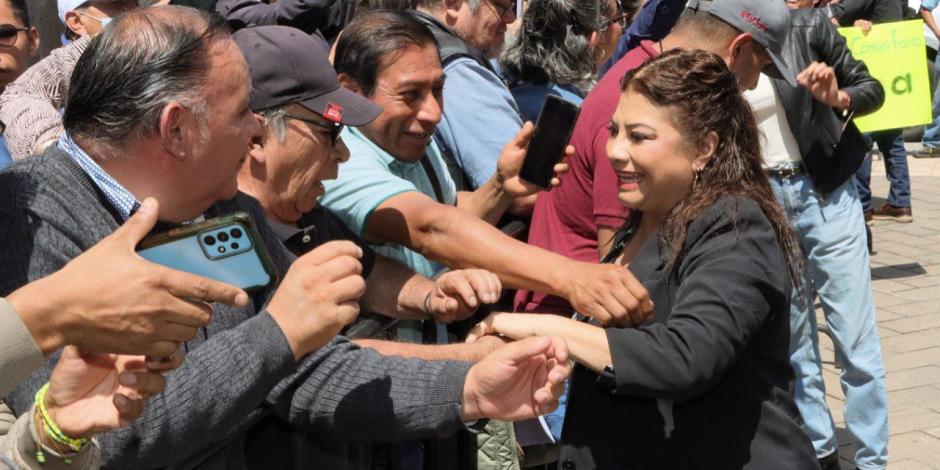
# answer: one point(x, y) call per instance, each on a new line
point(123, 201)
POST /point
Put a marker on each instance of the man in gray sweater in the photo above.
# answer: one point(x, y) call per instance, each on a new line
point(158, 107)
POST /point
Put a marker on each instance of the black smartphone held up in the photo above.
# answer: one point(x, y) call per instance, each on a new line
point(227, 249)
point(547, 148)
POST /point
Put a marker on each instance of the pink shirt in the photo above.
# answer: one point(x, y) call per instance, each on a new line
point(565, 219)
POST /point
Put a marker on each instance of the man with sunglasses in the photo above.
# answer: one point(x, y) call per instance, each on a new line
point(469, 33)
point(303, 115)
point(18, 43)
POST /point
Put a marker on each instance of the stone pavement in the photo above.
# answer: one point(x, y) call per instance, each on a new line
point(906, 284)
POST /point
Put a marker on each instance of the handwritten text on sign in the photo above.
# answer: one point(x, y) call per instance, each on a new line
point(895, 55)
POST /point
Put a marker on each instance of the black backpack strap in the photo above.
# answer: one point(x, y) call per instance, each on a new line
point(449, 45)
point(432, 176)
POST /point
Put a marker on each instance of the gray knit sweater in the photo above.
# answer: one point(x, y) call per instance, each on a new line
point(239, 371)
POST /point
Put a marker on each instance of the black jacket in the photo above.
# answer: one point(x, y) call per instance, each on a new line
point(830, 154)
point(876, 11)
point(718, 348)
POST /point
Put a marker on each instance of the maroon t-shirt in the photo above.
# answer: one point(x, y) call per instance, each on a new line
point(565, 219)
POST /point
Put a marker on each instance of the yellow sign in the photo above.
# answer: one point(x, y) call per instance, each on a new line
point(895, 55)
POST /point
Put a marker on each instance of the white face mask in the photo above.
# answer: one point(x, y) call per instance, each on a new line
point(104, 21)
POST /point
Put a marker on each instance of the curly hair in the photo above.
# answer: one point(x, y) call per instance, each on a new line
point(553, 43)
point(705, 98)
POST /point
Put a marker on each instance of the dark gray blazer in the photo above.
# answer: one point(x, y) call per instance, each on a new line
point(716, 355)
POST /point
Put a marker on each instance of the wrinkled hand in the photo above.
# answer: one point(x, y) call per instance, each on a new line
point(610, 294)
point(510, 163)
point(319, 296)
point(109, 299)
point(91, 393)
point(457, 294)
point(864, 25)
point(820, 80)
point(521, 380)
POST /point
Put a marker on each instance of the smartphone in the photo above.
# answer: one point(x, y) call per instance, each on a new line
point(227, 249)
point(547, 148)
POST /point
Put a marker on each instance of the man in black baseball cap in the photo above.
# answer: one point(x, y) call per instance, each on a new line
point(296, 92)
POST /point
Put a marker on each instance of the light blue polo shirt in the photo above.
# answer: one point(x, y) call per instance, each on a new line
point(371, 177)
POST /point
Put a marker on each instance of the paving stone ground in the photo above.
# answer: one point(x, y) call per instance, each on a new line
point(906, 286)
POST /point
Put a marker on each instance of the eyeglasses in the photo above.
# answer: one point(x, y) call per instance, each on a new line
point(503, 10)
point(8, 34)
point(335, 128)
point(620, 19)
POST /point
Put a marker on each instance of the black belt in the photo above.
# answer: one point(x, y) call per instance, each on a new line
point(785, 171)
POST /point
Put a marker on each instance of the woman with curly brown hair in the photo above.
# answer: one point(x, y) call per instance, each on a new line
point(707, 383)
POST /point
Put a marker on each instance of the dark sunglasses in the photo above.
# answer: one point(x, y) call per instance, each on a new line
point(335, 128)
point(8, 34)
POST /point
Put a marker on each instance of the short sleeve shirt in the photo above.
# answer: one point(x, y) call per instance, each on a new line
point(565, 219)
point(480, 118)
point(371, 177)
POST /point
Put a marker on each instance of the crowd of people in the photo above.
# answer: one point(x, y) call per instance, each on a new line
point(654, 308)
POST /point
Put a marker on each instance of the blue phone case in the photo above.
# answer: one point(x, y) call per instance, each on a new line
point(216, 253)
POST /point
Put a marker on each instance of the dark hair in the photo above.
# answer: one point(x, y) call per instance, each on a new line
point(704, 26)
point(394, 5)
point(20, 11)
point(630, 8)
point(374, 40)
point(144, 60)
point(705, 98)
point(553, 43)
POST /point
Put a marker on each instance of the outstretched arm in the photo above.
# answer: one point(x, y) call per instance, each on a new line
point(587, 343)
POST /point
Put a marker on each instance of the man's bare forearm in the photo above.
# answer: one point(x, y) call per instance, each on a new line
point(394, 290)
point(929, 20)
point(459, 239)
point(466, 352)
point(489, 202)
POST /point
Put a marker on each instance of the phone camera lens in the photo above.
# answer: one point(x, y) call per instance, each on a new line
point(223, 237)
point(210, 240)
point(221, 249)
point(236, 233)
point(234, 246)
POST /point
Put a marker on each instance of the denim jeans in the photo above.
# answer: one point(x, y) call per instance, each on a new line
point(891, 144)
point(831, 232)
point(932, 130)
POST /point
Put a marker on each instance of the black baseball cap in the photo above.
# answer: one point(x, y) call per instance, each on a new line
point(289, 66)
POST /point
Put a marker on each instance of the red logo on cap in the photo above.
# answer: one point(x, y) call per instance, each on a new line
point(333, 112)
point(750, 18)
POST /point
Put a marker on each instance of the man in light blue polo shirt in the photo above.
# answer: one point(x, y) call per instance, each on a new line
point(372, 177)
point(394, 189)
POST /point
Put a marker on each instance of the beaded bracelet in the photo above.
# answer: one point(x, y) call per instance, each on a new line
point(50, 427)
point(40, 455)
